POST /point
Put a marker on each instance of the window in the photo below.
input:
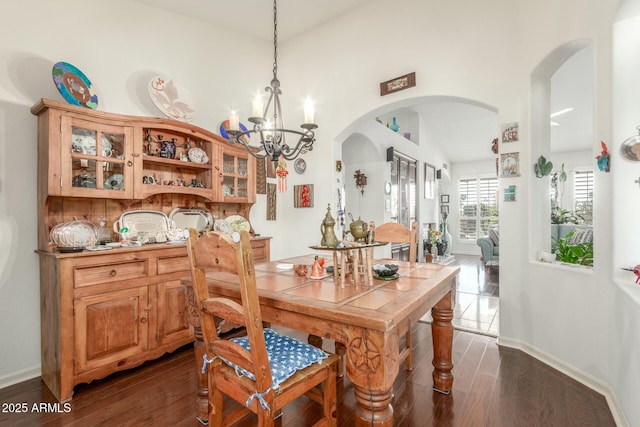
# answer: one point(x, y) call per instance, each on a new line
point(478, 206)
point(403, 189)
point(583, 195)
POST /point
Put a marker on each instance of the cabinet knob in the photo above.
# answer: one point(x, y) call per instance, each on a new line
point(143, 320)
point(129, 163)
point(113, 272)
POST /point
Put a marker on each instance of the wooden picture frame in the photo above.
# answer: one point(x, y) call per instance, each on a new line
point(303, 196)
point(510, 165)
point(429, 181)
point(398, 83)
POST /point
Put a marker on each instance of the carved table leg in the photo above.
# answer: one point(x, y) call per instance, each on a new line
point(374, 407)
point(442, 331)
point(372, 366)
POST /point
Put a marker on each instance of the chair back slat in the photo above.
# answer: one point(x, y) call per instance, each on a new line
point(216, 252)
point(225, 308)
point(393, 232)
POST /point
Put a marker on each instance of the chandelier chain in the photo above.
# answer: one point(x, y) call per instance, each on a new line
point(275, 40)
point(272, 135)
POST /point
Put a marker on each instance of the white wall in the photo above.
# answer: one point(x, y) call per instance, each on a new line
point(625, 329)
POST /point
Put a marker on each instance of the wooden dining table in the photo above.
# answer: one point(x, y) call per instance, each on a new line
point(368, 321)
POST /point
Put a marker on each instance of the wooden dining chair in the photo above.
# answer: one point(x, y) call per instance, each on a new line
point(393, 232)
point(264, 370)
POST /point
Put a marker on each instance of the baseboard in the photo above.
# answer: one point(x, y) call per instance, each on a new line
point(582, 377)
point(21, 376)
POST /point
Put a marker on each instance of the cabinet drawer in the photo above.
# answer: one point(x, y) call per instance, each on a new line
point(95, 274)
point(173, 264)
point(260, 252)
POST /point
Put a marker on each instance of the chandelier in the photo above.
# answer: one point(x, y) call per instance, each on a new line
point(268, 124)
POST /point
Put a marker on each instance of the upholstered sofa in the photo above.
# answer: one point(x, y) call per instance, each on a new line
point(490, 247)
point(583, 233)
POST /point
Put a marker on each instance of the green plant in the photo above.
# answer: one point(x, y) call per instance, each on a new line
point(542, 167)
point(579, 253)
point(564, 216)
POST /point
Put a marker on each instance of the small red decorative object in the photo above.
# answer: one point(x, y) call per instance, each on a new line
point(304, 196)
point(636, 271)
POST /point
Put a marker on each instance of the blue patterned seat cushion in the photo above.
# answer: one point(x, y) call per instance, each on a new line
point(286, 356)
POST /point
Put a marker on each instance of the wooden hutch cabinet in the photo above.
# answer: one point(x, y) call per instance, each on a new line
point(106, 311)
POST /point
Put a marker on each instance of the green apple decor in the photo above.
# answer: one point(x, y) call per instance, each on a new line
point(543, 167)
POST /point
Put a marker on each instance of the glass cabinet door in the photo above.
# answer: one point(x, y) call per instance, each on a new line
point(97, 160)
point(235, 180)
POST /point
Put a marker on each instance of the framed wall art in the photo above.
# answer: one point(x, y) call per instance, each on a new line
point(303, 196)
point(510, 164)
point(261, 177)
point(429, 181)
point(444, 199)
point(510, 193)
point(510, 132)
point(398, 83)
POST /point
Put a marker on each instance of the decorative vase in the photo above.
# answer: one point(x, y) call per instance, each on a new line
point(446, 237)
point(394, 126)
point(434, 252)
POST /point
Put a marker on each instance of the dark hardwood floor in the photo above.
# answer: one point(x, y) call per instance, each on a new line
point(493, 386)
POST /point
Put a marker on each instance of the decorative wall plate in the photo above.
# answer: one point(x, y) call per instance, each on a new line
point(630, 148)
point(172, 100)
point(73, 85)
point(300, 165)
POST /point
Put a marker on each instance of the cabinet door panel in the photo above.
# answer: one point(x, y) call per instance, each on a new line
point(95, 159)
point(110, 327)
point(172, 316)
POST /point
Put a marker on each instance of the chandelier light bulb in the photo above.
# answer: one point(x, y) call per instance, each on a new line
point(257, 106)
point(309, 111)
point(234, 120)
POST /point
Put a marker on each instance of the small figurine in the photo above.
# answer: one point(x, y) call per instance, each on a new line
point(316, 269)
point(603, 158)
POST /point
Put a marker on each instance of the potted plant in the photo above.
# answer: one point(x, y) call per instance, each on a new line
point(578, 253)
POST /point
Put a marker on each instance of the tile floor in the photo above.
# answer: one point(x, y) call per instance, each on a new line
point(477, 294)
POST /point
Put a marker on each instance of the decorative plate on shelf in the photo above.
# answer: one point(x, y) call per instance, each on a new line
point(73, 85)
point(300, 165)
point(224, 127)
point(172, 100)
point(198, 155)
point(238, 223)
point(114, 182)
point(222, 226)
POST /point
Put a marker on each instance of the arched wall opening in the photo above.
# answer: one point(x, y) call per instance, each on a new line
point(569, 153)
point(363, 146)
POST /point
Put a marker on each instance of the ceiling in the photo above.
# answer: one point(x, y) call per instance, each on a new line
point(255, 17)
point(464, 131)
